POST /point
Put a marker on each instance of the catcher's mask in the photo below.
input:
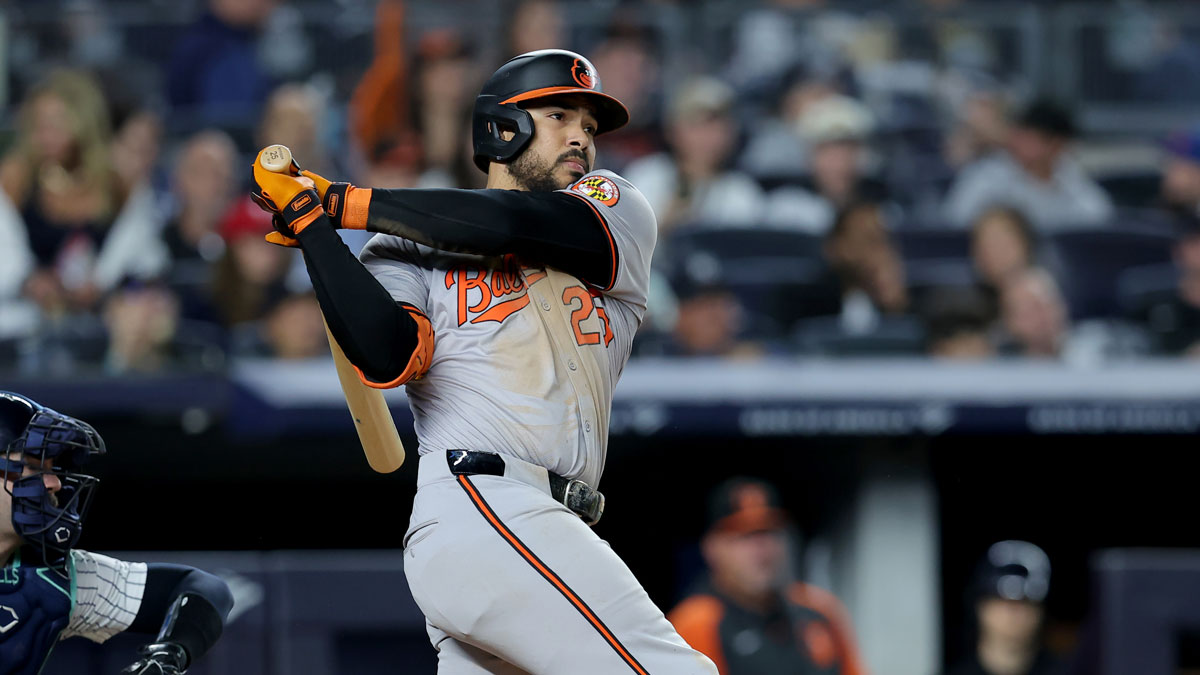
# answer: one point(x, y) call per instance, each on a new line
point(48, 522)
point(530, 77)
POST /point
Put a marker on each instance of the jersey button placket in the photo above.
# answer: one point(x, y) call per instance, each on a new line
point(571, 364)
point(545, 304)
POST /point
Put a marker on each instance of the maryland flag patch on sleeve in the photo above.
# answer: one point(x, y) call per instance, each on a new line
point(600, 188)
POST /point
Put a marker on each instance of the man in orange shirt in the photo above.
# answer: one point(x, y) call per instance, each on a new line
point(748, 617)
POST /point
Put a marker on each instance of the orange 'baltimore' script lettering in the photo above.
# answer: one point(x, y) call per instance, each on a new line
point(494, 287)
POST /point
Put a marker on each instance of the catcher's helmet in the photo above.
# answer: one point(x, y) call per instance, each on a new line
point(528, 77)
point(49, 524)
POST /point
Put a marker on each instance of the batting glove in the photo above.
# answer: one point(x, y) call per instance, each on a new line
point(159, 658)
point(338, 198)
point(290, 197)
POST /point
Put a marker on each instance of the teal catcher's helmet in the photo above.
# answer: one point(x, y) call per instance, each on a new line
point(48, 523)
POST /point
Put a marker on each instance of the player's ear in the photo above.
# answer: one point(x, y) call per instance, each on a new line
point(506, 133)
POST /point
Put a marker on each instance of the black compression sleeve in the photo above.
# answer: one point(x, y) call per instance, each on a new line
point(165, 582)
point(376, 334)
point(549, 228)
point(198, 624)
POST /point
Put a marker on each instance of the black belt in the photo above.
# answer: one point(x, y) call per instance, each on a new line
point(576, 495)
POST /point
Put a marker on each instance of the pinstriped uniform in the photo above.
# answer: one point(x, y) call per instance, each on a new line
point(108, 594)
point(524, 364)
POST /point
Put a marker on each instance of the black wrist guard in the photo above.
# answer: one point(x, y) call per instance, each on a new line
point(335, 202)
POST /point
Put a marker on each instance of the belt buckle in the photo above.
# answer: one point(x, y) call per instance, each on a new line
point(584, 501)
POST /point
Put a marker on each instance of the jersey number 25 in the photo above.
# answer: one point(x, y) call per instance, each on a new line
point(580, 300)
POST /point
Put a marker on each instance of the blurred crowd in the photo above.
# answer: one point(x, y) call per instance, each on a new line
point(827, 181)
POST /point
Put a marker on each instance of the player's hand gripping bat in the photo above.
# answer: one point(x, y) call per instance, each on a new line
point(372, 419)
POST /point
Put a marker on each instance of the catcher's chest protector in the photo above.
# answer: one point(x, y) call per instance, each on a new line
point(35, 607)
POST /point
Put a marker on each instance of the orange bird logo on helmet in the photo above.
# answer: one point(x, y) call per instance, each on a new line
point(583, 75)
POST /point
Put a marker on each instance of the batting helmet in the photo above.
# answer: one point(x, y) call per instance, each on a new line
point(529, 77)
point(1013, 570)
point(49, 524)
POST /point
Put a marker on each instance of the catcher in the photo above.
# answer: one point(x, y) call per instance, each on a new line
point(50, 591)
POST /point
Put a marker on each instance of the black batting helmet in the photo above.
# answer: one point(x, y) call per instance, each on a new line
point(528, 77)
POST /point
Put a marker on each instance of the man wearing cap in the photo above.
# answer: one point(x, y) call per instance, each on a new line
point(835, 130)
point(693, 184)
point(1007, 592)
point(1035, 174)
point(748, 617)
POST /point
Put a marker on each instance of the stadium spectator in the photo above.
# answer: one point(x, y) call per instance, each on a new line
point(775, 149)
point(1003, 243)
point(536, 24)
point(980, 128)
point(1035, 173)
point(1033, 314)
point(72, 226)
point(214, 75)
point(203, 186)
point(1035, 322)
point(1181, 174)
point(749, 616)
point(1175, 321)
point(293, 328)
point(870, 277)
point(693, 183)
point(141, 320)
point(379, 109)
point(292, 117)
point(629, 59)
point(835, 130)
point(1171, 68)
point(709, 321)
point(1006, 594)
point(135, 149)
point(250, 275)
point(957, 323)
point(442, 99)
point(769, 41)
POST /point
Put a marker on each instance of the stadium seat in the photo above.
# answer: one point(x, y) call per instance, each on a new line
point(778, 276)
point(1139, 189)
point(743, 255)
point(922, 243)
point(1089, 261)
point(894, 336)
point(1140, 288)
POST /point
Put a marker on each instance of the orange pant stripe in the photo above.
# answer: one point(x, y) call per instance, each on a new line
point(548, 574)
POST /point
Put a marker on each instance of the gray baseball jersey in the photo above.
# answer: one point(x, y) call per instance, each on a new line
point(524, 364)
point(525, 358)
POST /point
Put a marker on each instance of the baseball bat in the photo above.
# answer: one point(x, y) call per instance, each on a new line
point(372, 420)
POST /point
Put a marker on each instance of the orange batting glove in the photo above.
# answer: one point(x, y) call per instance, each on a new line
point(292, 199)
point(345, 204)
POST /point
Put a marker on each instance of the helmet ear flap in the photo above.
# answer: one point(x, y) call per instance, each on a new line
point(491, 120)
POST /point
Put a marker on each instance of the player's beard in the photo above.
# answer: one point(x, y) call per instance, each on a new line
point(533, 173)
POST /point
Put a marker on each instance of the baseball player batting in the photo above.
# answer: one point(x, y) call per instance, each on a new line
point(50, 591)
point(532, 289)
